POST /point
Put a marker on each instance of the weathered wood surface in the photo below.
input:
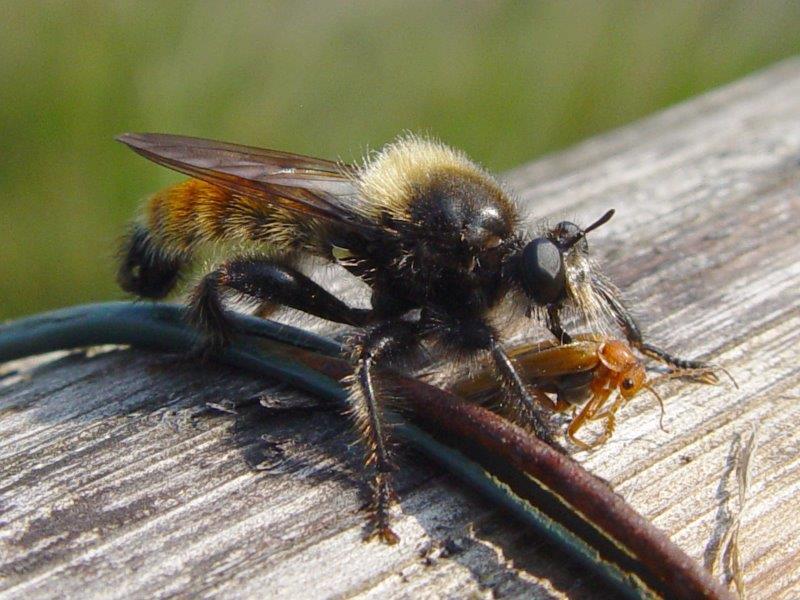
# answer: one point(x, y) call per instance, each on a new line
point(116, 481)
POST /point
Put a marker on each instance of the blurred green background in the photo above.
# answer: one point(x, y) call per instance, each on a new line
point(505, 81)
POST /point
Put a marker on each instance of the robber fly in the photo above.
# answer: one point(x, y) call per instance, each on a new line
point(581, 376)
point(434, 236)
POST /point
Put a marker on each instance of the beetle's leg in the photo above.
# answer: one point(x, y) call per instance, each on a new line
point(609, 415)
point(384, 343)
point(601, 389)
point(269, 283)
point(587, 413)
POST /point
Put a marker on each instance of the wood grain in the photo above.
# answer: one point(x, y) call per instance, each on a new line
point(118, 481)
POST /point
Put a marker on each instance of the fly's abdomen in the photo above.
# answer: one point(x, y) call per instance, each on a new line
point(179, 221)
point(194, 213)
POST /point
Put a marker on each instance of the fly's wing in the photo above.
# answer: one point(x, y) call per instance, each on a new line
point(309, 186)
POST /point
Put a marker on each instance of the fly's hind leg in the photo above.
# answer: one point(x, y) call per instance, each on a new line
point(384, 344)
point(268, 282)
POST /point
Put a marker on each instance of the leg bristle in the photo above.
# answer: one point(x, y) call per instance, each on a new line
point(384, 343)
point(383, 499)
point(206, 313)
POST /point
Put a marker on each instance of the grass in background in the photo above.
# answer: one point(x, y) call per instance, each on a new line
point(504, 81)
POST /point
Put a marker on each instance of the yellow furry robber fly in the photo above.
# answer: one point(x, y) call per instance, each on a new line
point(433, 235)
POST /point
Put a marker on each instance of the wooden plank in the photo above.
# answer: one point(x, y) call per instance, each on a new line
point(117, 481)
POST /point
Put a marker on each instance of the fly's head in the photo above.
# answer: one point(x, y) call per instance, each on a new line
point(555, 269)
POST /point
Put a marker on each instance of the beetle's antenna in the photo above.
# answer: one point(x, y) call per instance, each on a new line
point(601, 221)
point(661, 404)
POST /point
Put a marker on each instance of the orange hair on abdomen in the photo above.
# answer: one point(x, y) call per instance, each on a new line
point(195, 212)
point(181, 219)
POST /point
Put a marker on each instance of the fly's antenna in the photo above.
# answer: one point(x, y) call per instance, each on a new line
point(601, 221)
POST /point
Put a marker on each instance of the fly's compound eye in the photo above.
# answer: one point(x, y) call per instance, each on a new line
point(543, 272)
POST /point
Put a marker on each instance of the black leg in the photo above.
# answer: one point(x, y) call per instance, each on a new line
point(206, 313)
point(524, 408)
point(554, 325)
point(634, 335)
point(383, 344)
point(270, 283)
point(666, 357)
point(473, 335)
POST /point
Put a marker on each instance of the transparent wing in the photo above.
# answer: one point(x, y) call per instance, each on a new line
point(306, 185)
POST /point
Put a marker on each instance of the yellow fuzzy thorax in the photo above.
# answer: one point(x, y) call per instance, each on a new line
point(389, 179)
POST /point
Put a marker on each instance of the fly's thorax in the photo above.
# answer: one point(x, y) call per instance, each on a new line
point(412, 168)
point(459, 208)
point(449, 226)
point(452, 242)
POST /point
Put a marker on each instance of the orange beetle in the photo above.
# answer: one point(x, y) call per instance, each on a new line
point(584, 373)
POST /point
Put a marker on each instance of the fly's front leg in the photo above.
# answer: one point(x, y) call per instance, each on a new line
point(384, 344)
point(471, 335)
point(633, 333)
point(554, 325)
point(670, 359)
point(524, 408)
point(271, 284)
